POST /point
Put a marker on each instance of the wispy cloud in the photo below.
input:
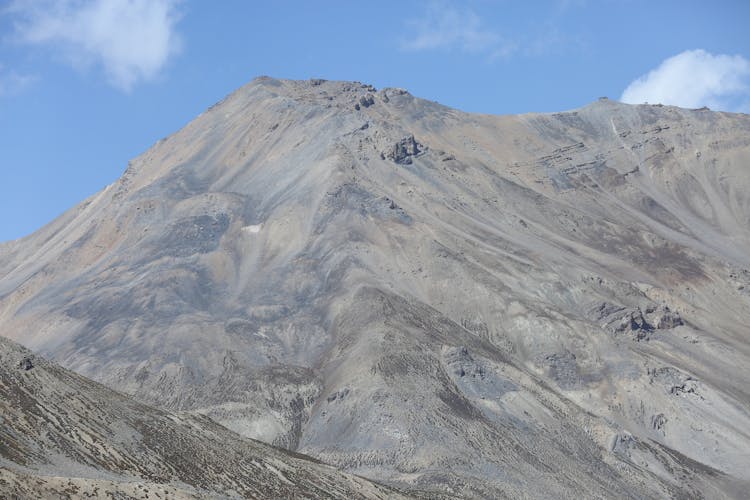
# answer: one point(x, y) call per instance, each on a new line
point(12, 82)
point(131, 40)
point(447, 28)
point(695, 78)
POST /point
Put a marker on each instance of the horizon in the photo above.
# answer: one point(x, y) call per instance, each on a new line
point(86, 86)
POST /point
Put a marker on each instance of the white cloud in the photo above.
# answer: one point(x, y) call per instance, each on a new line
point(130, 39)
point(442, 27)
point(695, 78)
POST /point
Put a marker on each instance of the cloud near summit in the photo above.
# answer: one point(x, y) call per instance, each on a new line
point(443, 27)
point(693, 79)
point(130, 40)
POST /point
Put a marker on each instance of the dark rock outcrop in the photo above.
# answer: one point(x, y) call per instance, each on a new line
point(404, 150)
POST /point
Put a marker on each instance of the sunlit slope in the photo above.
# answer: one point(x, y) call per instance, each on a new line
point(399, 288)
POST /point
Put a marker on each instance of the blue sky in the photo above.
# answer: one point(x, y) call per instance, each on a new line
point(85, 85)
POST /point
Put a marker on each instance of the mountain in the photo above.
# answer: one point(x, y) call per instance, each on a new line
point(66, 436)
point(536, 305)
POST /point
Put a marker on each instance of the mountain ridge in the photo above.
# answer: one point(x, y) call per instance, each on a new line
point(65, 435)
point(578, 276)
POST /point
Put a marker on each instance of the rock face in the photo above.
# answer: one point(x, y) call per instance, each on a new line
point(537, 305)
point(64, 436)
point(403, 151)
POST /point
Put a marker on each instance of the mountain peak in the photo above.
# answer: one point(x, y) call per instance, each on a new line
point(332, 93)
point(391, 285)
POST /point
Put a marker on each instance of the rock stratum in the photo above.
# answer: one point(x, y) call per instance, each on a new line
point(542, 305)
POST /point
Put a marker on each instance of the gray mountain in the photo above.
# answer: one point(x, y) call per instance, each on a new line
point(64, 436)
point(543, 305)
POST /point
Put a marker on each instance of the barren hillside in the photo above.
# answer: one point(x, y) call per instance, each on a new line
point(533, 305)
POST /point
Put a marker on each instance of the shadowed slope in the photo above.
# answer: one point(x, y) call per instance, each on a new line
point(62, 433)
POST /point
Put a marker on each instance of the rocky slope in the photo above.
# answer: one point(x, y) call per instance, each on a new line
point(534, 305)
point(64, 436)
